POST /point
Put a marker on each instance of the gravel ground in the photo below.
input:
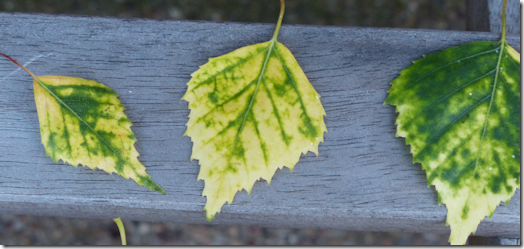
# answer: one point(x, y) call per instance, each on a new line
point(430, 14)
point(31, 230)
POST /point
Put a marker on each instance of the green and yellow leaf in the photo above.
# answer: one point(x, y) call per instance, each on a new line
point(82, 122)
point(253, 111)
point(459, 109)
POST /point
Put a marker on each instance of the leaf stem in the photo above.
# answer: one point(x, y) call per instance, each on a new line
point(277, 30)
point(121, 229)
point(504, 20)
point(11, 59)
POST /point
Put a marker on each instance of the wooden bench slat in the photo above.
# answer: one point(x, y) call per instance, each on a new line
point(363, 179)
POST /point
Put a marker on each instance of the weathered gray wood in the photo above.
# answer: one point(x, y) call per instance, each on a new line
point(477, 13)
point(512, 16)
point(363, 179)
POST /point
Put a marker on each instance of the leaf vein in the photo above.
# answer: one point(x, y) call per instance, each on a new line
point(512, 94)
point(449, 64)
point(66, 135)
point(453, 122)
point(229, 100)
point(495, 81)
point(227, 69)
point(447, 96)
point(79, 118)
point(294, 84)
point(277, 115)
point(262, 144)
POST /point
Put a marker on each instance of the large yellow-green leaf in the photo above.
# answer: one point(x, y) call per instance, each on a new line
point(253, 111)
point(459, 109)
point(82, 122)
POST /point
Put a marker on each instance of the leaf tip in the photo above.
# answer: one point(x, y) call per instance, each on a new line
point(209, 217)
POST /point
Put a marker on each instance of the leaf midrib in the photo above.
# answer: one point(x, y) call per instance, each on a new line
point(83, 121)
point(495, 81)
point(224, 70)
point(262, 71)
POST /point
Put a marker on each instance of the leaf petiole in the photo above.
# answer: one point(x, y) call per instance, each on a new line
point(504, 20)
point(121, 229)
point(11, 59)
point(277, 30)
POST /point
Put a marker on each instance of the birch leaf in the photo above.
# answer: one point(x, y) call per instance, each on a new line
point(82, 122)
point(459, 109)
point(253, 111)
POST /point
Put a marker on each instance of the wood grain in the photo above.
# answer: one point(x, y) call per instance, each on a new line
point(363, 179)
point(512, 16)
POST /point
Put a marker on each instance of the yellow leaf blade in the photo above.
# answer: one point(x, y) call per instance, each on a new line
point(253, 111)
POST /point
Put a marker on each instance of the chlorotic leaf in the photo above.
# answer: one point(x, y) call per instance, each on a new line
point(459, 109)
point(82, 122)
point(252, 111)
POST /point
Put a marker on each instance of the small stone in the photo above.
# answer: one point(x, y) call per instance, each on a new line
point(175, 13)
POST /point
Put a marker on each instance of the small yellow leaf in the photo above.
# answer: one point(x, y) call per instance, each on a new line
point(253, 111)
point(82, 122)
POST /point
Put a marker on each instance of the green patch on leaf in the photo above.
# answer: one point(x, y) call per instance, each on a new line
point(459, 109)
